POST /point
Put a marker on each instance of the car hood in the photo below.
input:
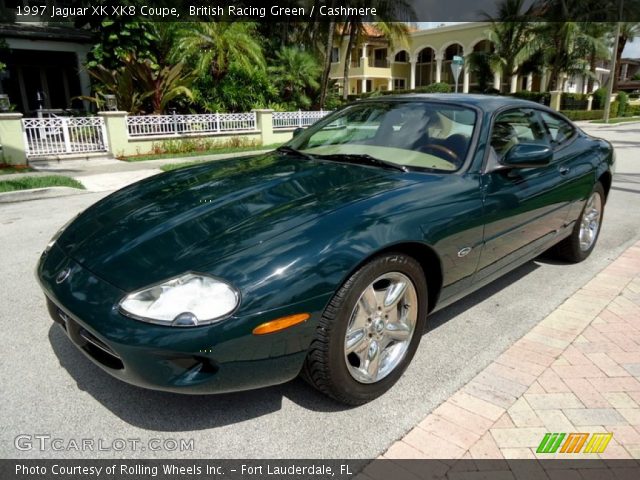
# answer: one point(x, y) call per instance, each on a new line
point(186, 219)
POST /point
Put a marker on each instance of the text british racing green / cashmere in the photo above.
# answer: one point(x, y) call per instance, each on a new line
point(325, 257)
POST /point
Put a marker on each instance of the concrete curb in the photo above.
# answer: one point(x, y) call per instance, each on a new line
point(38, 194)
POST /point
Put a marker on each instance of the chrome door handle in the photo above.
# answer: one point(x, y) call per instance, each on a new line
point(563, 170)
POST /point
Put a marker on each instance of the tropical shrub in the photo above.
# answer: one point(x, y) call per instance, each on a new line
point(599, 98)
point(189, 145)
point(240, 90)
point(440, 87)
point(623, 102)
point(296, 74)
point(140, 86)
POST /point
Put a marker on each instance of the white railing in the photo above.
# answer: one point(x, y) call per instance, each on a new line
point(297, 119)
point(154, 125)
point(64, 135)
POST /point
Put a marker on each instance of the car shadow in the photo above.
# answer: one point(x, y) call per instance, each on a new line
point(443, 316)
point(172, 412)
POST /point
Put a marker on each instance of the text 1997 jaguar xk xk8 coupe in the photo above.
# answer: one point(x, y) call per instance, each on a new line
point(326, 256)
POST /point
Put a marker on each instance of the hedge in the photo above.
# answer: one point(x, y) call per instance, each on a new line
point(540, 97)
point(583, 114)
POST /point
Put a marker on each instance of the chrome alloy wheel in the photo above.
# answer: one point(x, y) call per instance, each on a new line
point(381, 327)
point(590, 221)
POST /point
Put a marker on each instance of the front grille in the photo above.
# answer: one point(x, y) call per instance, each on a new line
point(97, 348)
point(92, 345)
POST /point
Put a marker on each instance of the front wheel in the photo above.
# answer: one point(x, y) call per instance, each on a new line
point(369, 331)
point(579, 245)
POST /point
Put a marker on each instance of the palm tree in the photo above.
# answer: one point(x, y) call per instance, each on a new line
point(480, 64)
point(566, 46)
point(510, 36)
point(296, 74)
point(599, 50)
point(628, 32)
point(212, 46)
point(327, 55)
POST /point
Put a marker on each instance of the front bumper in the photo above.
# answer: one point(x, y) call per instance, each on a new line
point(216, 358)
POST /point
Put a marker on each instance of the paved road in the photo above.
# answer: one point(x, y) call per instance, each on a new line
point(47, 387)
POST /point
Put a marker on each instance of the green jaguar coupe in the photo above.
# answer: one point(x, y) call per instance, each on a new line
point(325, 257)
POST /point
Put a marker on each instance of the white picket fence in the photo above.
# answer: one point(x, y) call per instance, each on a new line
point(297, 119)
point(69, 135)
point(64, 135)
point(154, 125)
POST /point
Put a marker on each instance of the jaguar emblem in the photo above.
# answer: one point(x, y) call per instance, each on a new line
point(63, 275)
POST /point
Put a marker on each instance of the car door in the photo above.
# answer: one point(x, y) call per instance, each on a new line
point(573, 157)
point(522, 209)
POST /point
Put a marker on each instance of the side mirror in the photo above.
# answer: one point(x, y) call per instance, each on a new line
point(298, 131)
point(528, 155)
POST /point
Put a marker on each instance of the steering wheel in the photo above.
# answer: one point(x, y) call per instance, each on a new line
point(453, 156)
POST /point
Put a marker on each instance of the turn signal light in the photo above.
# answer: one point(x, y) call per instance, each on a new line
point(280, 324)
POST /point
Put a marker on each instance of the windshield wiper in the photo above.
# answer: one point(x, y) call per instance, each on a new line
point(363, 159)
point(288, 149)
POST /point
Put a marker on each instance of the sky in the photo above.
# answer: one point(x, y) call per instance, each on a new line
point(631, 50)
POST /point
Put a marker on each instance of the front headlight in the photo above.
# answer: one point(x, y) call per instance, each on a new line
point(189, 300)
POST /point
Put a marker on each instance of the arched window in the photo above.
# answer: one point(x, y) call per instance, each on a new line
point(426, 67)
point(401, 57)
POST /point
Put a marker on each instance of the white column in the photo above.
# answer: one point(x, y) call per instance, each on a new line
point(363, 85)
point(390, 83)
point(529, 82)
point(412, 80)
point(585, 84)
point(465, 80)
point(438, 69)
point(543, 80)
point(514, 84)
point(363, 62)
point(497, 81)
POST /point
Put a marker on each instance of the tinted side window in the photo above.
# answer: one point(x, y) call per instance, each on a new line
point(514, 127)
point(559, 130)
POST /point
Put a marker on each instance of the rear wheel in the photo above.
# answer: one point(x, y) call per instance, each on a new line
point(579, 245)
point(369, 331)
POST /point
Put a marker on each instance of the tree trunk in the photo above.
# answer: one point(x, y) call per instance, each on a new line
point(616, 75)
point(347, 60)
point(327, 63)
point(592, 69)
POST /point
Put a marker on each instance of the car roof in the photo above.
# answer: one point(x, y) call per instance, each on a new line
point(487, 103)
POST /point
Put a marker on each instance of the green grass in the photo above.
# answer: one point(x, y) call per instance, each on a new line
point(9, 169)
point(619, 120)
point(39, 182)
point(214, 151)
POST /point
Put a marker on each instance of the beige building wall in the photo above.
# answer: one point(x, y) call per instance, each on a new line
point(427, 60)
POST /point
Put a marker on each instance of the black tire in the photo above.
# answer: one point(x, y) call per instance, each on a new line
point(569, 249)
point(325, 367)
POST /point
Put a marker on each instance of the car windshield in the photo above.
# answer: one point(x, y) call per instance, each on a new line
point(413, 134)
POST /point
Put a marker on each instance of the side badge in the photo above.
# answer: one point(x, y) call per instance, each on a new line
point(63, 275)
point(464, 252)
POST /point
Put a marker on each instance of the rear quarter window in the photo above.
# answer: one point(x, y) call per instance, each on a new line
point(558, 129)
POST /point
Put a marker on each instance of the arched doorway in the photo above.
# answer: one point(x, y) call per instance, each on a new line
point(426, 67)
point(478, 62)
point(451, 51)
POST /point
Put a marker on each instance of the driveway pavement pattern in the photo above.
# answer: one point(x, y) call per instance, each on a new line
point(568, 389)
